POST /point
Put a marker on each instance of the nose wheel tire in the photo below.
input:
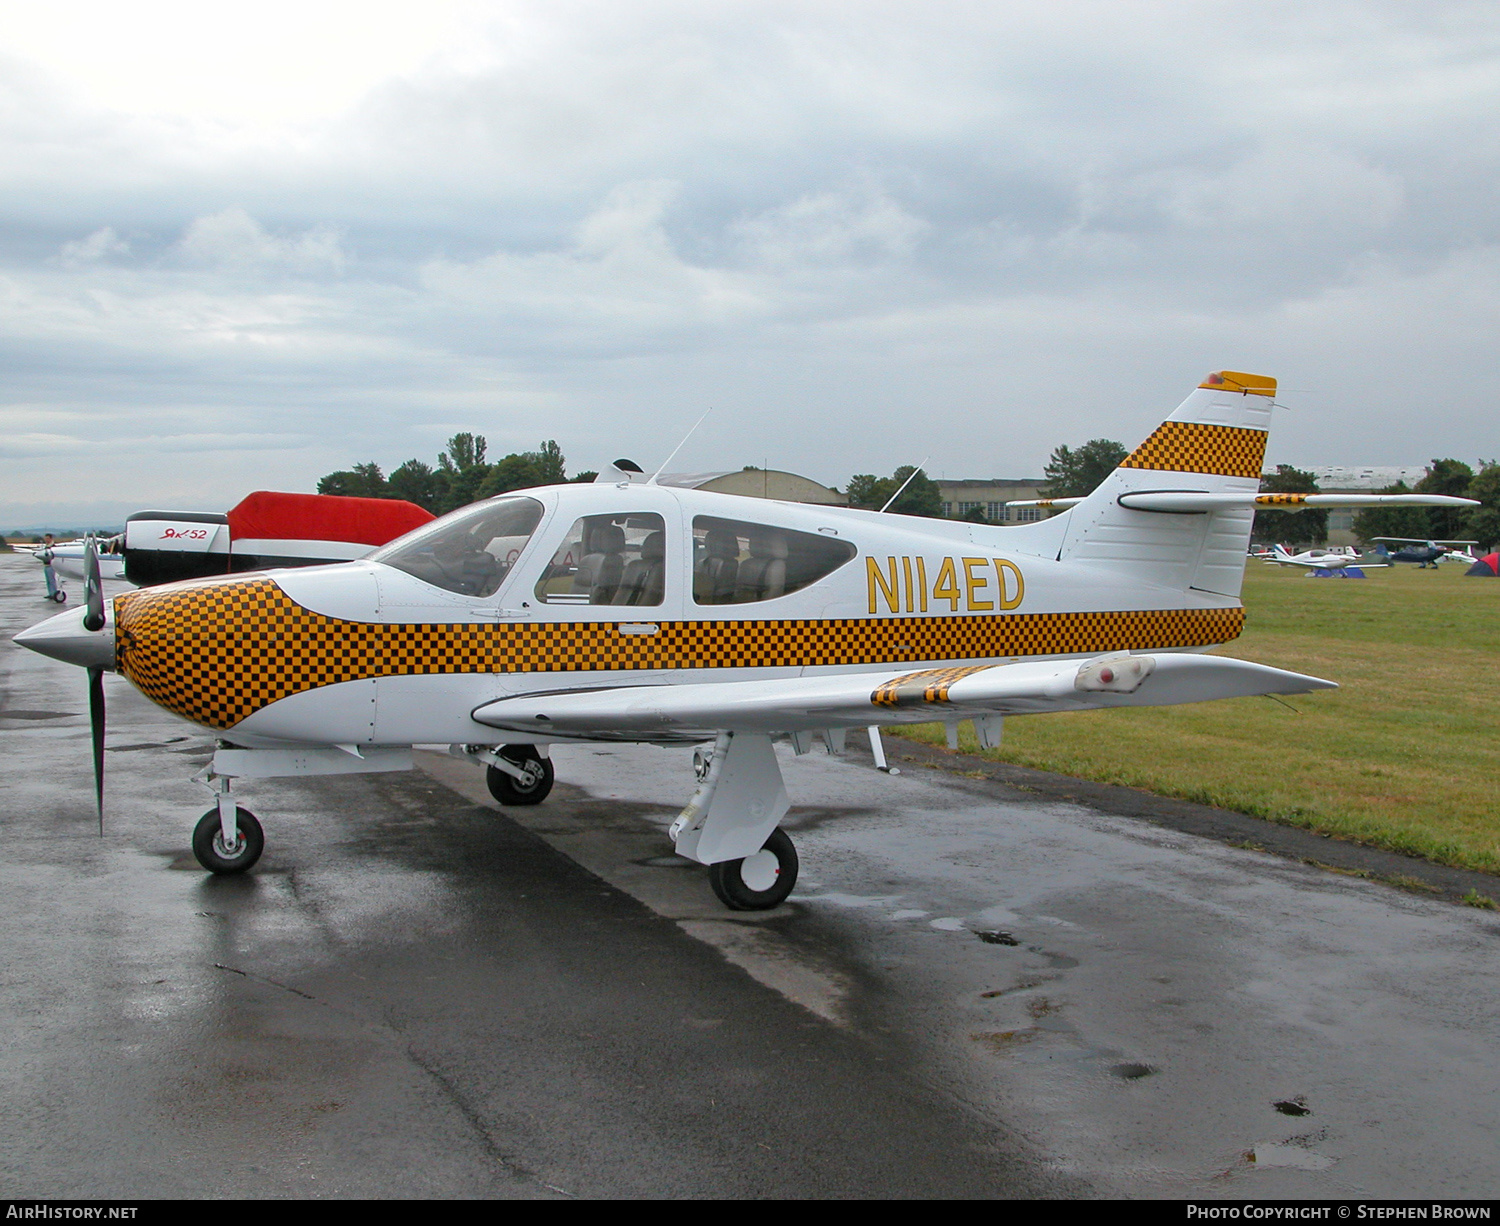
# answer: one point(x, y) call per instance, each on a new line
point(60, 597)
point(758, 882)
point(532, 790)
point(217, 857)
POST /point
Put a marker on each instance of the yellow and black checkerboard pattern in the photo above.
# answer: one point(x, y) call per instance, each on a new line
point(1193, 447)
point(217, 651)
point(929, 685)
point(1280, 500)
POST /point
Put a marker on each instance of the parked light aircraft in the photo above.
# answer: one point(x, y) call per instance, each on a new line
point(1322, 559)
point(631, 611)
point(1425, 553)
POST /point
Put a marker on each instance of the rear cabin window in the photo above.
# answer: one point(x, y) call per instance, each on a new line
point(741, 563)
point(608, 560)
point(470, 551)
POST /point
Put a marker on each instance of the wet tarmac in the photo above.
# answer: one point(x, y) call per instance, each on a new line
point(975, 991)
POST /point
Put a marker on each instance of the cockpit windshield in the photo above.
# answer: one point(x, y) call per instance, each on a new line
point(470, 551)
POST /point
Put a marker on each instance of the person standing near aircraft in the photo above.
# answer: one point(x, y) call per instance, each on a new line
point(45, 556)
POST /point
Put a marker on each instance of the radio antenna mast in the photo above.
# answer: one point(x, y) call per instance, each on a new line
point(904, 484)
point(679, 447)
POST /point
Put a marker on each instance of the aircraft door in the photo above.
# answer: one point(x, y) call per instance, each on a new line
point(617, 569)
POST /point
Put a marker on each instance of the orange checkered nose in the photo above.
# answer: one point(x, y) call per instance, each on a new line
point(209, 650)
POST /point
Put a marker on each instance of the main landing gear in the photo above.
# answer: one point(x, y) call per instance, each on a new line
point(518, 775)
point(758, 882)
point(732, 823)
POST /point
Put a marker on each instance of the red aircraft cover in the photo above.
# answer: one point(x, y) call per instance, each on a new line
point(268, 515)
point(1488, 566)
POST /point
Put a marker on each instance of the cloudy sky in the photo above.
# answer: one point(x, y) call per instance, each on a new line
point(243, 245)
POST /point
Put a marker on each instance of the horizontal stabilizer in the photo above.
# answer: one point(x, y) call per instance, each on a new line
point(1049, 504)
point(692, 712)
point(1182, 502)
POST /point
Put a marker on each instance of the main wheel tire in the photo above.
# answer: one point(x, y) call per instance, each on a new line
point(509, 790)
point(758, 882)
point(209, 848)
point(60, 596)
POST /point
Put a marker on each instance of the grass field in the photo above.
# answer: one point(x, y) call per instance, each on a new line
point(1405, 756)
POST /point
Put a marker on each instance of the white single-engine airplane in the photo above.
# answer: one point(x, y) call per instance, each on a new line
point(1321, 559)
point(631, 611)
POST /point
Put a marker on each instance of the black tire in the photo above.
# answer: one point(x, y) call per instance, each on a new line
point(729, 884)
point(61, 596)
point(509, 790)
point(208, 843)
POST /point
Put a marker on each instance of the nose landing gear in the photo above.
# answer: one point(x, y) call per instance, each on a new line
point(226, 857)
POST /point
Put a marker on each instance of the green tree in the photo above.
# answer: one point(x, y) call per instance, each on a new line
point(1304, 527)
point(868, 491)
point(920, 497)
point(361, 481)
point(1452, 477)
point(415, 482)
point(1375, 522)
point(461, 471)
point(1075, 474)
point(975, 515)
point(1483, 522)
point(525, 470)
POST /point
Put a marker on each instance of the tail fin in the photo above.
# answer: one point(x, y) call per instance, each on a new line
point(1215, 442)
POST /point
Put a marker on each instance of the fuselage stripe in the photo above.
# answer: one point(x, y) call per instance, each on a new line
point(217, 652)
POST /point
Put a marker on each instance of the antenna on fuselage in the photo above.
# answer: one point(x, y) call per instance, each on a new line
point(905, 483)
point(679, 447)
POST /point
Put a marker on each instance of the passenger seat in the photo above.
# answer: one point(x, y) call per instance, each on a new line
point(763, 575)
point(717, 572)
point(600, 571)
point(643, 582)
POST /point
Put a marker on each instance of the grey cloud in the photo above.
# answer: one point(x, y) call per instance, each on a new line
point(980, 225)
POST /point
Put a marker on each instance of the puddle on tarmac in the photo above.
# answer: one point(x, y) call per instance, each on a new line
point(997, 938)
point(849, 900)
point(1005, 1040)
point(1294, 1156)
point(1293, 1106)
point(948, 923)
point(906, 915)
point(1132, 1072)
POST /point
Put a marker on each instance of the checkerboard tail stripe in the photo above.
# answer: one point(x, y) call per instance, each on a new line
point(217, 651)
point(1192, 447)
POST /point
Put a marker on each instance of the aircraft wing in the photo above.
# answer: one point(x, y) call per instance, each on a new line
point(794, 704)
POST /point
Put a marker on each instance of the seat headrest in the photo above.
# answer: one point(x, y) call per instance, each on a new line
point(770, 547)
point(721, 544)
point(608, 538)
point(654, 547)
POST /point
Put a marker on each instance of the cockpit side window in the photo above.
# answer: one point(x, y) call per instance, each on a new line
point(470, 551)
point(608, 560)
point(742, 563)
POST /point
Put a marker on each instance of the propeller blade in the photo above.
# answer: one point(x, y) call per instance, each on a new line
point(93, 589)
point(96, 727)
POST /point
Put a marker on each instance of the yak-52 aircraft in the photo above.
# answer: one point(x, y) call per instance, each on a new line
point(626, 610)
